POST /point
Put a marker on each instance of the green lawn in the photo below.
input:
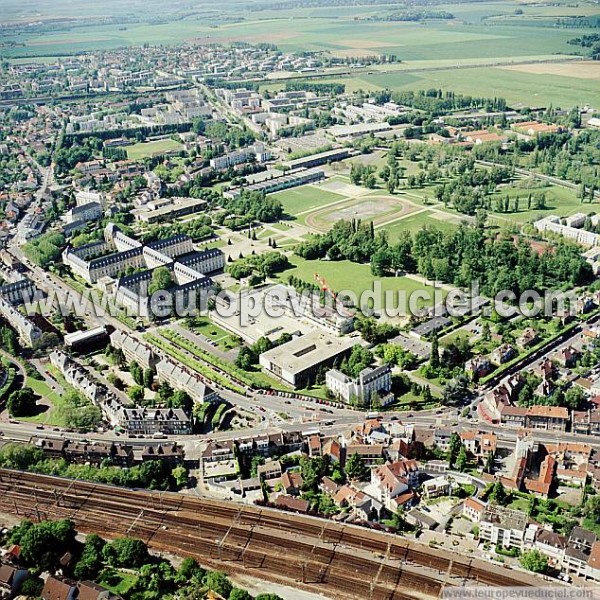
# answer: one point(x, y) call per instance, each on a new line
point(121, 584)
point(344, 275)
point(414, 223)
point(305, 198)
point(53, 415)
point(559, 201)
point(205, 327)
point(144, 149)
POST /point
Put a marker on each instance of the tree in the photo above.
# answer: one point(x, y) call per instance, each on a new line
point(355, 468)
point(21, 403)
point(535, 561)
point(456, 391)
point(44, 543)
point(575, 398)
point(239, 594)
point(180, 475)
point(137, 373)
point(148, 378)
point(268, 597)
point(90, 563)
point(165, 392)
point(434, 356)
point(9, 340)
point(218, 582)
point(190, 568)
point(489, 462)
point(461, 460)
point(181, 399)
point(136, 393)
point(129, 553)
point(454, 447)
point(32, 587)
point(162, 279)
point(19, 456)
point(497, 494)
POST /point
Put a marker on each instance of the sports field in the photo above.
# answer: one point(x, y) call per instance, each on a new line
point(144, 149)
point(305, 198)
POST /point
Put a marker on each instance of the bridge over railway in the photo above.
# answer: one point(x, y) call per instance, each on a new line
point(338, 560)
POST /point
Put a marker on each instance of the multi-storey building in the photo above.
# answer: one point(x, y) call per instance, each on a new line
point(371, 383)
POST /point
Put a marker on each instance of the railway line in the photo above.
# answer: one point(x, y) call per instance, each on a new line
point(339, 560)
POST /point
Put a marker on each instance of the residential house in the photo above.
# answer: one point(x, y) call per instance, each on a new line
point(438, 486)
point(513, 416)
point(549, 418)
point(593, 563)
point(219, 461)
point(474, 509)
point(315, 447)
point(503, 527)
point(542, 484)
point(552, 545)
point(292, 504)
point(333, 450)
point(566, 357)
point(502, 354)
point(578, 551)
point(442, 439)
point(479, 444)
point(392, 480)
point(478, 366)
point(11, 579)
point(171, 453)
point(369, 454)
point(328, 486)
point(291, 483)
point(270, 470)
point(527, 338)
point(58, 589)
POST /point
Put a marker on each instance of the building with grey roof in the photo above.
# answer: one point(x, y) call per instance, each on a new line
point(371, 384)
point(298, 361)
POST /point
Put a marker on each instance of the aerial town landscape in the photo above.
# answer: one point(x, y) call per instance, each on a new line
point(299, 299)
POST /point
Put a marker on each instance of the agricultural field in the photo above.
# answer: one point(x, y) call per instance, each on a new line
point(496, 33)
point(144, 149)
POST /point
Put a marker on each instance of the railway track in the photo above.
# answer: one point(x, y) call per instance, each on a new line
point(341, 561)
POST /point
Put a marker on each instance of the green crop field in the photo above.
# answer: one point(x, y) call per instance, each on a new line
point(305, 198)
point(492, 33)
point(141, 150)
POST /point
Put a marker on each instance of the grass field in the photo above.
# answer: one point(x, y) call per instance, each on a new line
point(559, 201)
point(305, 198)
point(204, 326)
point(518, 87)
point(52, 416)
point(344, 275)
point(144, 149)
point(413, 223)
